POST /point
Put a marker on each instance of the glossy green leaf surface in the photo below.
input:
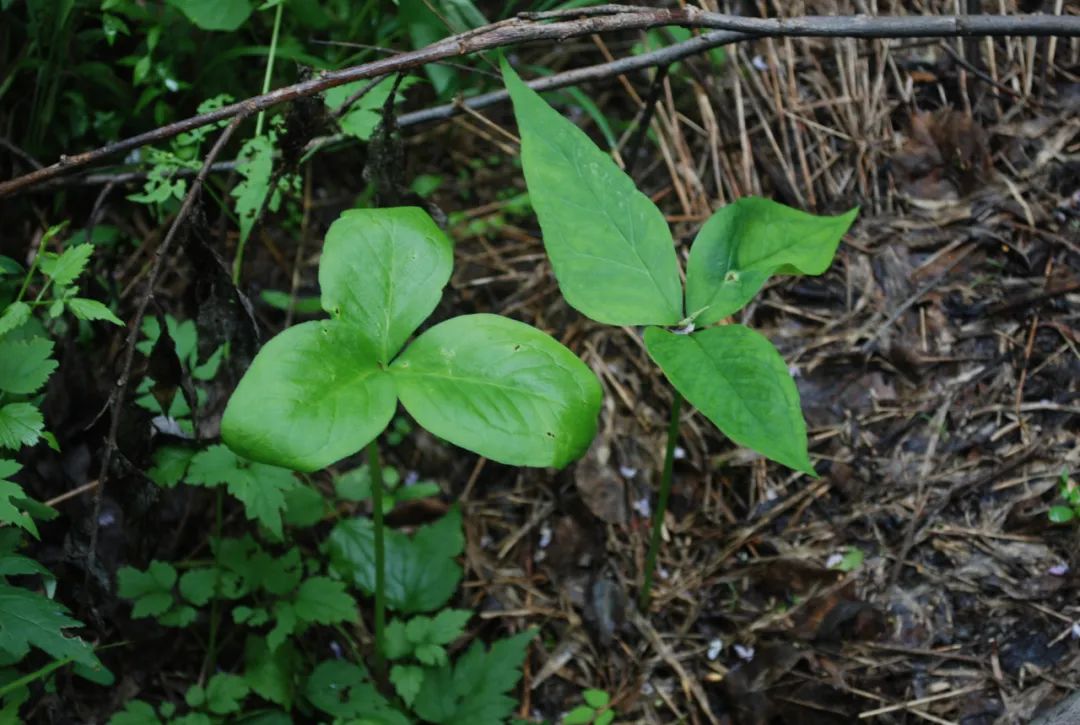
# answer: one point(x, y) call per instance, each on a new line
point(313, 395)
point(383, 271)
point(500, 388)
point(610, 247)
point(745, 242)
point(738, 380)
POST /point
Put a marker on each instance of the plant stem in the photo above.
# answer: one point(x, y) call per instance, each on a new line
point(661, 505)
point(375, 469)
point(270, 63)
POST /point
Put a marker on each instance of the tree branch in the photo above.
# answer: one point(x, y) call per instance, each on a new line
point(604, 19)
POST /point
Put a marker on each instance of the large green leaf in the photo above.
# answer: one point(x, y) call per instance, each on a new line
point(421, 574)
point(29, 619)
point(215, 14)
point(738, 380)
point(25, 365)
point(610, 247)
point(313, 395)
point(745, 242)
point(261, 488)
point(500, 388)
point(383, 270)
point(474, 691)
point(20, 425)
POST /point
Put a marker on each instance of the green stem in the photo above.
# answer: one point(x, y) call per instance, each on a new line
point(380, 554)
point(270, 63)
point(661, 505)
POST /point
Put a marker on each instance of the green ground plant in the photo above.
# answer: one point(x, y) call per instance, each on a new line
point(595, 711)
point(30, 618)
point(271, 592)
point(1068, 511)
point(323, 390)
point(614, 258)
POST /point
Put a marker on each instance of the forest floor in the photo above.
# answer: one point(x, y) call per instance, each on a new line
point(919, 579)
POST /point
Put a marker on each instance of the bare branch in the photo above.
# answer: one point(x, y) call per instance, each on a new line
point(609, 19)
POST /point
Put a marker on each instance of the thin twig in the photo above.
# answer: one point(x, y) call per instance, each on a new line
point(120, 391)
point(522, 30)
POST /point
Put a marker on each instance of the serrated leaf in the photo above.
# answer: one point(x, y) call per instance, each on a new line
point(304, 506)
point(20, 425)
point(383, 271)
point(324, 600)
point(197, 585)
point(271, 674)
point(341, 689)
point(224, 693)
point(66, 268)
point(15, 315)
point(151, 590)
point(170, 465)
point(135, 712)
point(746, 242)
point(261, 488)
point(88, 309)
point(407, 680)
point(290, 411)
point(473, 691)
point(364, 116)
point(395, 642)
point(448, 625)
point(255, 168)
point(25, 365)
point(610, 247)
point(421, 574)
point(500, 388)
point(738, 380)
point(10, 493)
point(284, 625)
point(179, 616)
point(30, 620)
point(430, 654)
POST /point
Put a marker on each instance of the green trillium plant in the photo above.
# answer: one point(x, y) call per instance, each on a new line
point(323, 390)
point(614, 258)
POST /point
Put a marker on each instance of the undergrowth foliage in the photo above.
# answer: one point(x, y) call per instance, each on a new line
point(30, 618)
point(277, 606)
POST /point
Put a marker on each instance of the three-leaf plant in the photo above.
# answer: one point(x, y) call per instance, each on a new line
point(322, 390)
point(614, 258)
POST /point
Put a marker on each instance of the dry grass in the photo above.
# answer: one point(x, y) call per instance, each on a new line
point(939, 371)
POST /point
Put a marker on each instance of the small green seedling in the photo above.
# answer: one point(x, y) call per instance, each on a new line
point(614, 258)
point(1070, 493)
point(596, 710)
